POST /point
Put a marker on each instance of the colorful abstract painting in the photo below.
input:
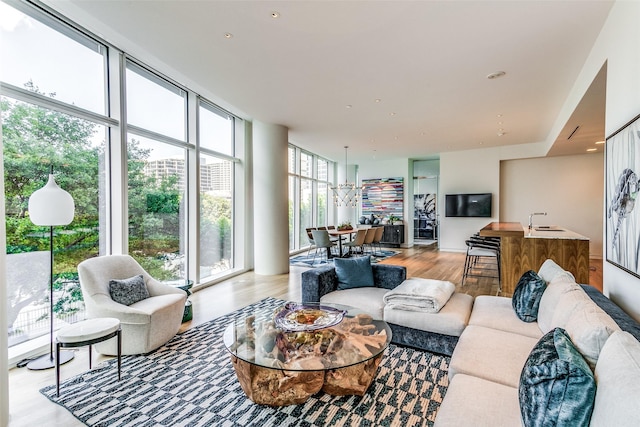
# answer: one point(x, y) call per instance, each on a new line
point(383, 197)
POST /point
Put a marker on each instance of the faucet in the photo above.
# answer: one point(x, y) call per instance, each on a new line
point(531, 218)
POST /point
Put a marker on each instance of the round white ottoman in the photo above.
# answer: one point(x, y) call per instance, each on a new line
point(87, 332)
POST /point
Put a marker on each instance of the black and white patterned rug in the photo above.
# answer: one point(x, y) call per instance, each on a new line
point(190, 382)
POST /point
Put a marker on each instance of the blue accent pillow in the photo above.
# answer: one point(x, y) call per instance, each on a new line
point(354, 272)
point(527, 295)
point(557, 387)
point(128, 291)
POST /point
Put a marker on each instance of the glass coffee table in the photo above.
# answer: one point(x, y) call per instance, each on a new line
point(283, 357)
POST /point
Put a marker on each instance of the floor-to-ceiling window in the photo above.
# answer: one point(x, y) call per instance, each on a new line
point(54, 116)
point(309, 183)
point(217, 164)
point(152, 166)
point(157, 170)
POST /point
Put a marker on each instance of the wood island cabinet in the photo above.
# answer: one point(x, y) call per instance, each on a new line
point(522, 250)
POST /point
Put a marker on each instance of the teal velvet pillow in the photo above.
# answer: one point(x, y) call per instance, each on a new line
point(527, 295)
point(353, 272)
point(557, 387)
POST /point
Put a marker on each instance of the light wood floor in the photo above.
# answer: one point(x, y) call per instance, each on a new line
point(30, 408)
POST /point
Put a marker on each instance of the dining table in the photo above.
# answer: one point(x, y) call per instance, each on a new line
point(340, 233)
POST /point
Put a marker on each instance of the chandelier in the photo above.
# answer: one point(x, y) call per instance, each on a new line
point(347, 194)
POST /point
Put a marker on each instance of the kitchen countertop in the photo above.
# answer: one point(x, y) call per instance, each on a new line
point(552, 232)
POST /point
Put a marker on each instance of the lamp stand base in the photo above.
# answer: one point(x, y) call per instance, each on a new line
point(48, 361)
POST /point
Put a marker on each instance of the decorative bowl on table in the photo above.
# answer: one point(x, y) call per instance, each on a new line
point(297, 317)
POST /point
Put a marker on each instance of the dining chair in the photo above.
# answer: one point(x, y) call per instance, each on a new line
point(368, 240)
point(321, 239)
point(377, 239)
point(358, 241)
point(312, 243)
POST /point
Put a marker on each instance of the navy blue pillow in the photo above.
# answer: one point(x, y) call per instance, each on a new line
point(526, 298)
point(557, 387)
point(354, 272)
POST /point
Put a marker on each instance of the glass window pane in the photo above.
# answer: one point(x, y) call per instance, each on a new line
point(322, 170)
point(292, 160)
point(292, 192)
point(154, 106)
point(216, 214)
point(157, 207)
point(35, 138)
point(306, 165)
point(216, 131)
point(306, 208)
point(322, 204)
point(41, 59)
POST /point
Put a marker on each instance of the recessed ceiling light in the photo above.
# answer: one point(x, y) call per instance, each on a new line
point(500, 123)
point(499, 115)
point(275, 14)
point(592, 149)
point(500, 133)
point(228, 35)
point(600, 142)
point(392, 114)
point(377, 100)
point(496, 75)
point(349, 106)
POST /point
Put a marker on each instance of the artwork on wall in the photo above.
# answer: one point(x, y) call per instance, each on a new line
point(383, 197)
point(622, 186)
point(424, 216)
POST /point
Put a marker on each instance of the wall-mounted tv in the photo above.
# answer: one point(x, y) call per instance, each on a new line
point(468, 205)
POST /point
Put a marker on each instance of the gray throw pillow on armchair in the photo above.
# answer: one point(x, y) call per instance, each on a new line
point(128, 291)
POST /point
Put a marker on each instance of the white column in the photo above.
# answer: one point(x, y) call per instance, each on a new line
point(271, 198)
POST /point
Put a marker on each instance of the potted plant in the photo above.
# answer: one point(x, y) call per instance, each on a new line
point(344, 226)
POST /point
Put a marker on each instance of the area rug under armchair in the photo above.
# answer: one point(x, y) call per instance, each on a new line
point(190, 381)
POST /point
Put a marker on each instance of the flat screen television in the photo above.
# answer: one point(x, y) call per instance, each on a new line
point(468, 205)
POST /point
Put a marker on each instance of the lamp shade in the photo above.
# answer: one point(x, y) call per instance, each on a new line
point(51, 205)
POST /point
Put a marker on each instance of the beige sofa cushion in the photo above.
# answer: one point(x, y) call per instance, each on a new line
point(550, 299)
point(549, 270)
point(497, 313)
point(367, 299)
point(618, 380)
point(589, 328)
point(491, 354)
point(472, 401)
point(450, 320)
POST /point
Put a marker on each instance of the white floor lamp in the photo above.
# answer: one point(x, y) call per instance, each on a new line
point(50, 206)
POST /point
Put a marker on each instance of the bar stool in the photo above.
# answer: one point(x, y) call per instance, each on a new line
point(483, 259)
point(87, 332)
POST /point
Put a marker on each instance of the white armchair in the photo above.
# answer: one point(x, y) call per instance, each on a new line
point(146, 324)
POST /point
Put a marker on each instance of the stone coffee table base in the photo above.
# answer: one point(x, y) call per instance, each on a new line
point(276, 387)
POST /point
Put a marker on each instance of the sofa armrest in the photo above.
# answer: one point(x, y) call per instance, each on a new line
point(318, 282)
point(388, 276)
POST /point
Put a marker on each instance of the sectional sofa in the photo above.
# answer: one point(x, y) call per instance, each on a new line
point(495, 373)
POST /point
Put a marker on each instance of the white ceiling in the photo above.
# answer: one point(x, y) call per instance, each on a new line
point(425, 61)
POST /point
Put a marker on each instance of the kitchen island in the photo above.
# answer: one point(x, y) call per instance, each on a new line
point(523, 249)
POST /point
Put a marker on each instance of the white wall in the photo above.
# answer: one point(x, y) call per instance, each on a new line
point(569, 188)
point(471, 171)
point(619, 45)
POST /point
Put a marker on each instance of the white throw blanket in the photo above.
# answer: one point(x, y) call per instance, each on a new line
point(416, 294)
